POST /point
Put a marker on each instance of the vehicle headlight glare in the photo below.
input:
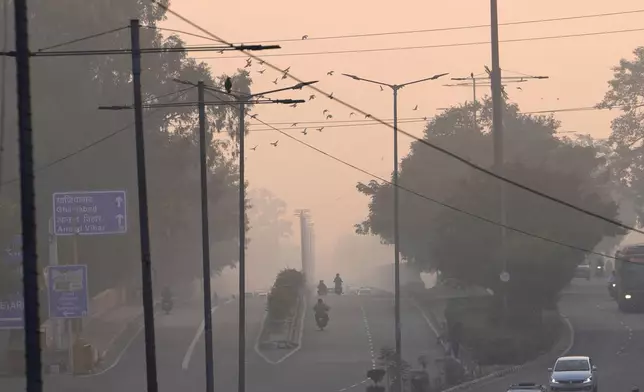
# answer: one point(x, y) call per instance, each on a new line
point(589, 379)
point(627, 296)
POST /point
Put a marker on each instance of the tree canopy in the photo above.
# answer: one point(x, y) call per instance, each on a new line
point(81, 148)
point(464, 247)
point(626, 93)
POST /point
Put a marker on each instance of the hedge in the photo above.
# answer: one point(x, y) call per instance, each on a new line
point(283, 296)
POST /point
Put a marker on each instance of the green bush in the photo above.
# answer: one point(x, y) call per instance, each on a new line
point(283, 296)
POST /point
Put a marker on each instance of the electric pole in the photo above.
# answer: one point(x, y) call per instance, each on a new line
point(33, 358)
point(144, 228)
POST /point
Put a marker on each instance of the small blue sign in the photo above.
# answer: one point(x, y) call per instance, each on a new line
point(12, 312)
point(68, 294)
point(90, 213)
point(14, 250)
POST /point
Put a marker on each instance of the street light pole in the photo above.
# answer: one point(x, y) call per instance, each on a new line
point(395, 88)
point(241, 380)
point(205, 239)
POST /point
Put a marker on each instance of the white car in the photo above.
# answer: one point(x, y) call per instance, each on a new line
point(364, 291)
point(573, 374)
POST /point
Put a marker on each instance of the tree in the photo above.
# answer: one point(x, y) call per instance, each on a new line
point(66, 93)
point(626, 93)
point(462, 247)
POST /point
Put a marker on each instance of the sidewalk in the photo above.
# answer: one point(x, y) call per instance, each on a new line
point(103, 331)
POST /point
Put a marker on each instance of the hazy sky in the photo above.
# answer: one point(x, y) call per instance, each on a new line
point(578, 69)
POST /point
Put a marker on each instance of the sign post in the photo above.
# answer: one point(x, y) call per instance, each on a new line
point(90, 213)
point(68, 297)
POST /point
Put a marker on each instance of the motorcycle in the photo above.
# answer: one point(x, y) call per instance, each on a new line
point(322, 321)
point(338, 289)
point(612, 290)
point(166, 305)
point(599, 272)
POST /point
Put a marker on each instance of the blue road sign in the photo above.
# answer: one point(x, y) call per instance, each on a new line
point(12, 312)
point(90, 213)
point(68, 294)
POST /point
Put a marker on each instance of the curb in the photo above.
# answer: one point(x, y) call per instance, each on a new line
point(294, 334)
point(513, 369)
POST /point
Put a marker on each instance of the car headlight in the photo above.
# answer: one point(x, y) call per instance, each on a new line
point(589, 379)
point(552, 380)
point(614, 285)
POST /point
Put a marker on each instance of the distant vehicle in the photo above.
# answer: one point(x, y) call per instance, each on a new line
point(583, 271)
point(249, 294)
point(364, 291)
point(527, 387)
point(573, 374)
point(261, 293)
point(629, 277)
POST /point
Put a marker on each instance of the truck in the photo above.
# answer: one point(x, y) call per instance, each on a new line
point(629, 277)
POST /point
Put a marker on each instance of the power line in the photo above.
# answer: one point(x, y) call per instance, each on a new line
point(423, 196)
point(88, 37)
point(440, 29)
point(452, 45)
point(63, 158)
point(435, 147)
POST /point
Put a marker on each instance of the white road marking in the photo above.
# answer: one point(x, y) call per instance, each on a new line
point(191, 348)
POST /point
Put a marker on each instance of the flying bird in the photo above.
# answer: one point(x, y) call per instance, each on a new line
point(312, 97)
point(261, 62)
point(330, 73)
point(305, 36)
point(331, 96)
point(415, 107)
point(320, 129)
point(304, 132)
point(287, 69)
point(367, 116)
point(221, 52)
point(275, 81)
point(351, 114)
point(294, 125)
point(274, 144)
point(261, 71)
point(381, 89)
point(254, 148)
point(329, 116)
point(228, 85)
point(325, 111)
point(249, 62)
point(284, 76)
point(293, 105)
point(253, 115)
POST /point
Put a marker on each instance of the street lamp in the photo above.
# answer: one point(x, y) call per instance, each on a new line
point(242, 99)
point(395, 88)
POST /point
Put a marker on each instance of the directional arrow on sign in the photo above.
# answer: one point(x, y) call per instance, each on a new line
point(119, 201)
point(119, 218)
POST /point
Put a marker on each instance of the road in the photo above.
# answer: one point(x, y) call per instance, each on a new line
point(614, 340)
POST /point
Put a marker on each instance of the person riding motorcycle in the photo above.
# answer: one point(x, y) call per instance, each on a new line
point(166, 299)
point(338, 284)
point(612, 285)
point(321, 311)
point(322, 289)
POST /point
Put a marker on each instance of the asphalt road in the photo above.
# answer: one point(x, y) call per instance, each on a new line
point(615, 341)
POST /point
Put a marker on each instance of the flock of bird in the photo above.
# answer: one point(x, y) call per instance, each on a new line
point(326, 113)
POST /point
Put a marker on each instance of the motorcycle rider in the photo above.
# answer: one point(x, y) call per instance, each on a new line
point(321, 311)
point(338, 284)
point(612, 285)
point(322, 289)
point(166, 299)
point(611, 278)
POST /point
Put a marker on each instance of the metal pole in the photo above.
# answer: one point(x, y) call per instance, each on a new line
point(497, 133)
point(144, 229)
point(241, 381)
point(57, 324)
point(397, 242)
point(205, 240)
point(33, 361)
point(474, 100)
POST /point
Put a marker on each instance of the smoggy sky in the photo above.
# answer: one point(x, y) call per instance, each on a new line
point(579, 69)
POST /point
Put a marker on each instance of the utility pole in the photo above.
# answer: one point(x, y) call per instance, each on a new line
point(395, 88)
point(303, 214)
point(205, 239)
point(33, 360)
point(241, 376)
point(497, 134)
point(144, 229)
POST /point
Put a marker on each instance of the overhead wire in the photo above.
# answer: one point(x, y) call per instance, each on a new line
point(439, 29)
point(434, 46)
point(435, 147)
point(85, 38)
point(179, 94)
point(432, 200)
